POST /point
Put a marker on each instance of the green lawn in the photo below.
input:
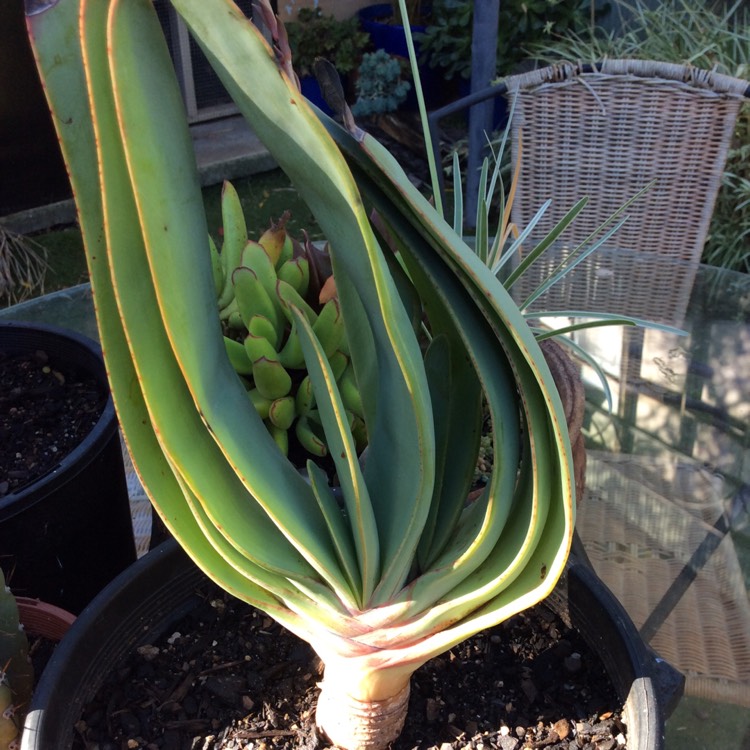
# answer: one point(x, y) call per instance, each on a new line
point(264, 198)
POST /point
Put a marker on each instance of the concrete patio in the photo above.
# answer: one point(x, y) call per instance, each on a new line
point(225, 148)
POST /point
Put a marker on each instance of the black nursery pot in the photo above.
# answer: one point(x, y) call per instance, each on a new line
point(143, 602)
point(66, 535)
point(648, 686)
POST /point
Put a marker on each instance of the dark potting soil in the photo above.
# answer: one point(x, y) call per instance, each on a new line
point(228, 676)
point(45, 412)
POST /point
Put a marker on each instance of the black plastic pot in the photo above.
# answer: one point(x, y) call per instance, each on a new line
point(649, 687)
point(161, 588)
point(65, 536)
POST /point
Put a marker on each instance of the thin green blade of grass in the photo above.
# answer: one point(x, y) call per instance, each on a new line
point(574, 259)
point(583, 355)
point(458, 196)
point(518, 242)
point(629, 319)
point(539, 250)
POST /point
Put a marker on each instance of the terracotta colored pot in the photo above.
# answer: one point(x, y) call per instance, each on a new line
point(43, 619)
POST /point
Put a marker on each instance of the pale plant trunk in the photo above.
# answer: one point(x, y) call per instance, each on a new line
point(356, 724)
point(364, 695)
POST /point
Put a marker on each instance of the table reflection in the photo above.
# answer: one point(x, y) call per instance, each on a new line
point(666, 514)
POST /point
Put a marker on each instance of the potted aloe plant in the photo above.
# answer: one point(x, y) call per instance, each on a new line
point(401, 568)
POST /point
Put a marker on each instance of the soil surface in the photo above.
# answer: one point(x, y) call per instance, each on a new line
point(45, 412)
point(227, 676)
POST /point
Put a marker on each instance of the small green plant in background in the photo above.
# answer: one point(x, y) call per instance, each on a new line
point(728, 243)
point(315, 34)
point(710, 36)
point(23, 265)
point(379, 86)
point(446, 42)
point(16, 673)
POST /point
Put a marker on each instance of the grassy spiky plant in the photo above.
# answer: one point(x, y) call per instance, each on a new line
point(23, 264)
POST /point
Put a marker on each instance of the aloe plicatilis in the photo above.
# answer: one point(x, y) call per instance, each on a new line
point(404, 569)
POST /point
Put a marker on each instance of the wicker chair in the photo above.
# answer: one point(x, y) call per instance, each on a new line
point(607, 131)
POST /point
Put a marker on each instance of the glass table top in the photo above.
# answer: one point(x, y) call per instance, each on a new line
point(664, 519)
point(665, 515)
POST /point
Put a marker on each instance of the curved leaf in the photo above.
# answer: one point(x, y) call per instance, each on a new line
point(394, 389)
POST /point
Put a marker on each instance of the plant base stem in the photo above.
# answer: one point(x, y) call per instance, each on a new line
point(360, 725)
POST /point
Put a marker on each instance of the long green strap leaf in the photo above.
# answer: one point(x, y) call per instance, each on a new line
point(399, 468)
point(362, 526)
point(170, 213)
point(57, 48)
point(338, 529)
point(457, 404)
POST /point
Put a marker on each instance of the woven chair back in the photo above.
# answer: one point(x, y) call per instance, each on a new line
point(607, 132)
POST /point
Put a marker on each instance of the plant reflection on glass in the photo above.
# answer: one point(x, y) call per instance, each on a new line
point(401, 568)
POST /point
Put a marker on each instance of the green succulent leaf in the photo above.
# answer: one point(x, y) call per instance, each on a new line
point(235, 238)
point(342, 446)
point(253, 300)
point(388, 366)
point(256, 258)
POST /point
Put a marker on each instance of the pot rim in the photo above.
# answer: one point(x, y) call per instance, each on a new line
point(44, 619)
point(88, 350)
